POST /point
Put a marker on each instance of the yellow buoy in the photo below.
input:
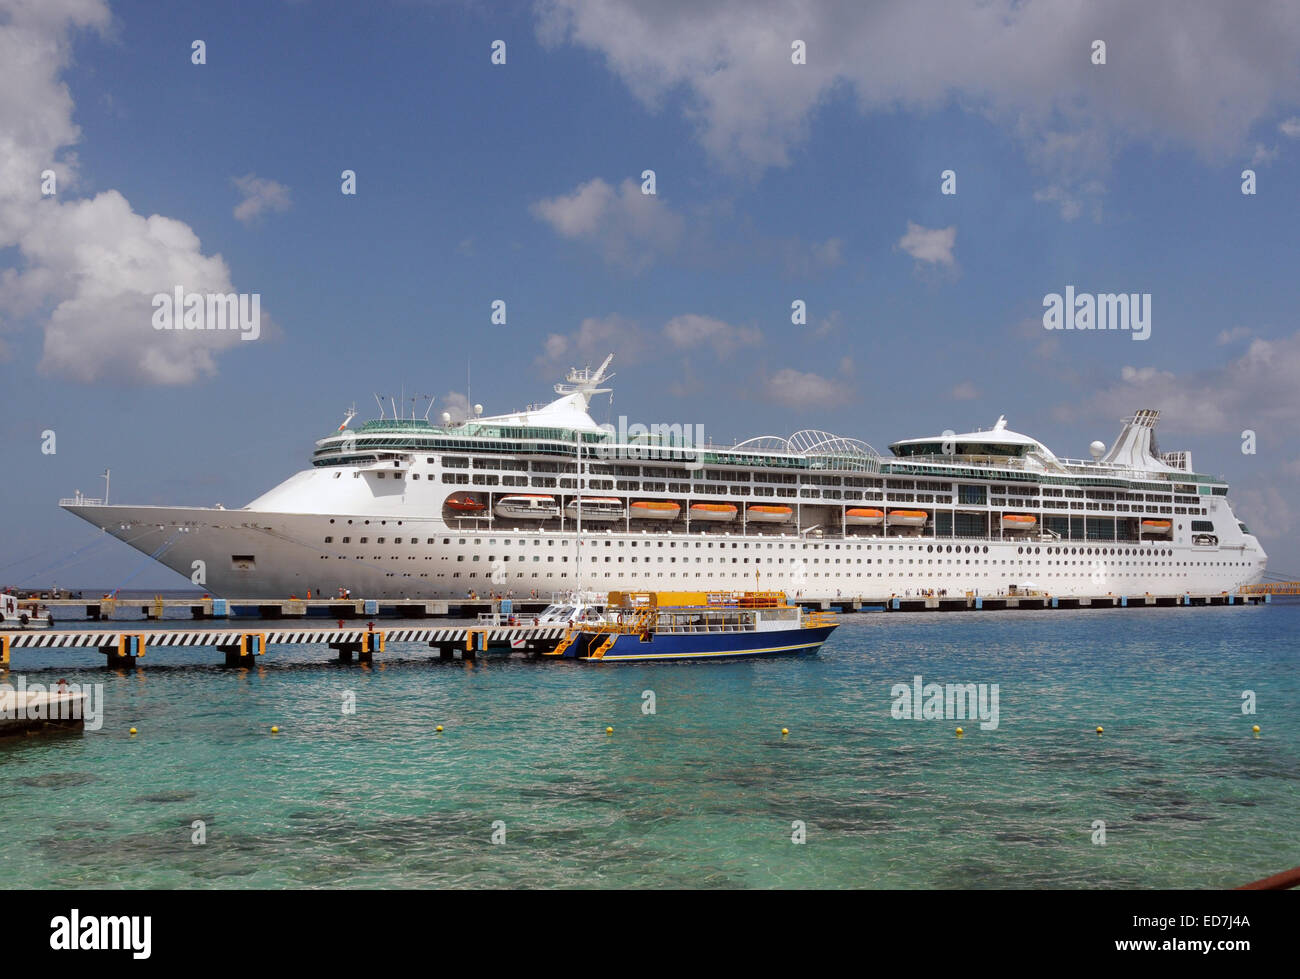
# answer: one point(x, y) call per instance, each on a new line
point(785, 731)
point(1255, 729)
point(609, 730)
point(439, 728)
point(960, 733)
point(1099, 729)
point(274, 729)
point(133, 730)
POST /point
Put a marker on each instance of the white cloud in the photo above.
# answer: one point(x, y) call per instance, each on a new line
point(932, 245)
point(627, 227)
point(595, 338)
point(1232, 335)
point(1265, 511)
point(259, 195)
point(803, 259)
point(1198, 76)
point(798, 389)
point(692, 330)
point(454, 403)
point(1290, 127)
point(1263, 155)
point(89, 267)
point(1258, 391)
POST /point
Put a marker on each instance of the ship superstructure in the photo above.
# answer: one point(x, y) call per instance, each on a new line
point(545, 500)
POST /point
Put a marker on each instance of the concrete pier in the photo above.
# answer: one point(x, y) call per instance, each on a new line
point(1036, 601)
point(105, 609)
point(24, 712)
point(241, 648)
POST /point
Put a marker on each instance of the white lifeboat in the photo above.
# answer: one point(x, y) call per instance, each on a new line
point(765, 513)
point(596, 508)
point(907, 518)
point(713, 511)
point(527, 506)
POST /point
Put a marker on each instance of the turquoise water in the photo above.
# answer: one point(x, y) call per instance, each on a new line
point(703, 792)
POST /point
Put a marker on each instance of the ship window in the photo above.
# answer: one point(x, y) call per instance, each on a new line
point(329, 540)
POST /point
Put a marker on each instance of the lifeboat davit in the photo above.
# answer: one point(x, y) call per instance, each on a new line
point(528, 506)
point(654, 510)
point(713, 511)
point(1156, 526)
point(907, 518)
point(763, 513)
point(1018, 521)
point(597, 508)
point(464, 503)
point(864, 517)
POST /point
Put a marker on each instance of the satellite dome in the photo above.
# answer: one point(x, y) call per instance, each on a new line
point(1098, 449)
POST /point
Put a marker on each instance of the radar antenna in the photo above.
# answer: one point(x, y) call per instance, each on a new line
point(586, 381)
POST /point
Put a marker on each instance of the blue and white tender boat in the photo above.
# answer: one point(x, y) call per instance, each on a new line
point(657, 626)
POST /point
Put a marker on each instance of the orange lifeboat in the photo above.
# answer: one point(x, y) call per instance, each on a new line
point(864, 517)
point(654, 510)
point(464, 503)
point(1156, 526)
point(908, 518)
point(1018, 521)
point(713, 511)
point(763, 513)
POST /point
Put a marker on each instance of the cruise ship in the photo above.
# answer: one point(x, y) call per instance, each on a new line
point(545, 500)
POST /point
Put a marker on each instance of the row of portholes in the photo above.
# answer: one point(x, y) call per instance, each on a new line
point(931, 547)
point(1098, 551)
point(383, 523)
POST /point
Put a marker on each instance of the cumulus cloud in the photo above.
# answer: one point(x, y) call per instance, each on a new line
point(595, 338)
point(930, 245)
point(1257, 390)
point(454, 403)
point(1232, 335)
point(90, 267)
point(627, 227)
point(259, 195)
point(1024, 66)
point(802, 259)
point(800, 389)
point(692, 330)
point(1263, 155)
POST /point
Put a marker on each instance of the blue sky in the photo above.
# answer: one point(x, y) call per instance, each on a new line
point(521, 182)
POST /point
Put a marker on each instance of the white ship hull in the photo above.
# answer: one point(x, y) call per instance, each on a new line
point(373, 515)
point(290, 556)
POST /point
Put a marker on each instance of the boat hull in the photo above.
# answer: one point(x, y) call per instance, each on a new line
point(663, 647)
